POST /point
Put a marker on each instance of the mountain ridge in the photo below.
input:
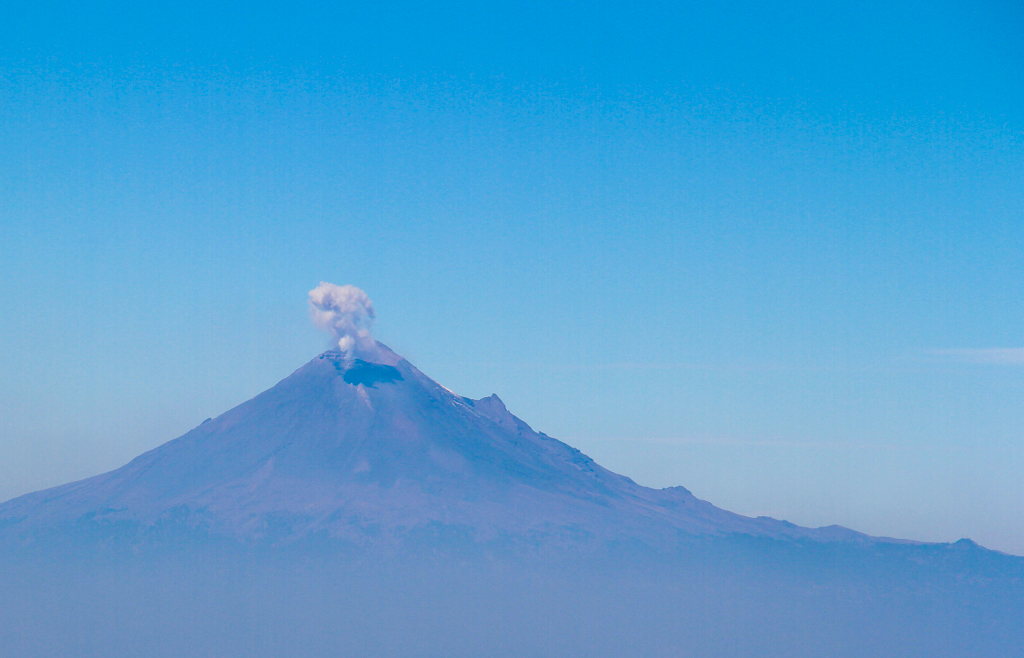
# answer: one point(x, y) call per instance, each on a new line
point(366, 449)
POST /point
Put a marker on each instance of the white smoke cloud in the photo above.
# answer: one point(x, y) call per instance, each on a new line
point(346, 312)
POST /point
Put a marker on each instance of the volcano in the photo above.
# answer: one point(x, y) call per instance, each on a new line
point(358, 508)
point(368, 450)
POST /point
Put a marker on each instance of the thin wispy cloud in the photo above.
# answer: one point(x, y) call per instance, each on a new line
point(1007, 356)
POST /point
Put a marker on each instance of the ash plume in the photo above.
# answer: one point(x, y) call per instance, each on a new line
point(345, 311)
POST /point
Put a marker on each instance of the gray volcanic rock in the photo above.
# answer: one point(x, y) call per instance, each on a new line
point(370, 450)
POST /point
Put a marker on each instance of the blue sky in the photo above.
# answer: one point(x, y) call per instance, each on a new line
point(762, 250)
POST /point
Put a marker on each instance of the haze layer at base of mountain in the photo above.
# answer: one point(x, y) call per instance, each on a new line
point(724, 598)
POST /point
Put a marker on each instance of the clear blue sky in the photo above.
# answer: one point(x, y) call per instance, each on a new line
point(767, 251)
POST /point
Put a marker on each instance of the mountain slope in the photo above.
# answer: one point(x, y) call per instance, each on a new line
point(370, 450)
